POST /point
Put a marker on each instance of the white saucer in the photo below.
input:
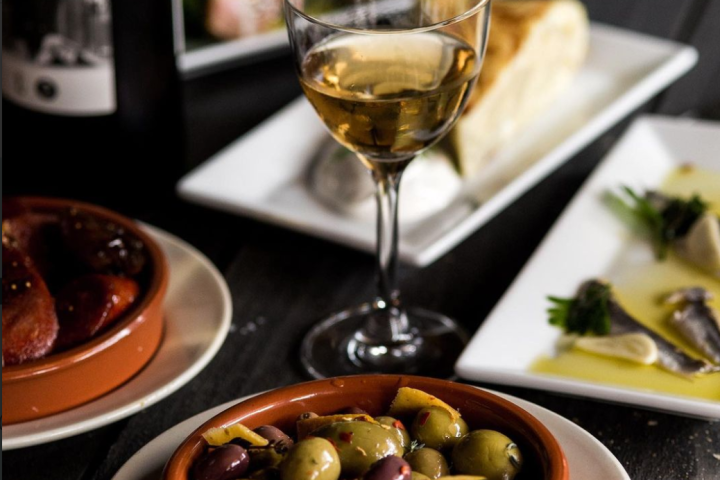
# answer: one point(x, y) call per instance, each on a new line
point(588, 458)
point(196, 291)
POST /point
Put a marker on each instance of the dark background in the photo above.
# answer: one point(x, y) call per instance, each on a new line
point(292, 280)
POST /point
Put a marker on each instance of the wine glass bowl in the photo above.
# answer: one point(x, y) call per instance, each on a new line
point(389, 78)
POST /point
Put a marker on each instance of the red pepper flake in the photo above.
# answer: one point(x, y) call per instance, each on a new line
point(398, 424)
point(424, 418)
point(405, 471)
point(346, 436)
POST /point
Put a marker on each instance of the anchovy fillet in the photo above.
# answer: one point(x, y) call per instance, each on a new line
point(696, 321)
point(670, 357)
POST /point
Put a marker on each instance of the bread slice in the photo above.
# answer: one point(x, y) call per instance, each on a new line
point(535, 48)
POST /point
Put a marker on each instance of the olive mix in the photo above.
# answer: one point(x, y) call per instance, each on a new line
point(354, 445)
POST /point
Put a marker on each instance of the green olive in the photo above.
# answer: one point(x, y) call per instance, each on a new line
point(264, 457)
point(419, 476)
point(428, 462)
point(270, 473)
point(435, 428)
point(359, 445)
point(487, 453)
point(398, 429)
point(311, 459)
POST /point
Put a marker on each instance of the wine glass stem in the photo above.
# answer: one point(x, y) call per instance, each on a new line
point(390, 324)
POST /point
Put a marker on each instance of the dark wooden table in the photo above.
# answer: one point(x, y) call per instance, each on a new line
point(292, 280)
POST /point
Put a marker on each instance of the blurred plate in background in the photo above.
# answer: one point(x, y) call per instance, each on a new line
point(213, 34)
point(264, 174)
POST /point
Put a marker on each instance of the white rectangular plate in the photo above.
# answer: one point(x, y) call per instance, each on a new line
point(585, 243)
point(195, 56)
point(214, 55)
point(262, 174)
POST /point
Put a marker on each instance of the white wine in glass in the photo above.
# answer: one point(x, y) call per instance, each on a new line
point(389, 78)
point(389, 99)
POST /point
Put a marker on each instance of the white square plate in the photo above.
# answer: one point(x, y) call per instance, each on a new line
point(585, 243)
point(262, 174)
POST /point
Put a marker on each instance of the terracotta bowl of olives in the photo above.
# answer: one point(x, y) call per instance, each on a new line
point(83, 289)
point(371, 427)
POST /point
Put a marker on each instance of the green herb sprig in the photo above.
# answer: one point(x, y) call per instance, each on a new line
point(665, 220)
point(585, 314)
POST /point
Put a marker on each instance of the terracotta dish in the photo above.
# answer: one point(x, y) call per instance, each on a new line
point(544, 459)
point(72, 377)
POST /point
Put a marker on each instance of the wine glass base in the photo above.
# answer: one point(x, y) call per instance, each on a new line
point(336, 346)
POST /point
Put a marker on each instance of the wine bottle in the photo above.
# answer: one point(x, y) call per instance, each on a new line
point(91, 99)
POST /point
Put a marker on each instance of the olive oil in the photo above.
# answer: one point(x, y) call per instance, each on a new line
point(640, 287)
point(388, 97)
point(686, 181)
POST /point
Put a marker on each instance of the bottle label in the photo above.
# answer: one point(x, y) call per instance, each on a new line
point(57, 56)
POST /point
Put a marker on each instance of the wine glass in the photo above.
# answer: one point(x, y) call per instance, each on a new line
point(389, 78)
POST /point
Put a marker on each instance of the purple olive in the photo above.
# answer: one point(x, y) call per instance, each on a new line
point(274, 436)
point(240, 442)
point(354, 411)
point(223, 463)
point(389, 468)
